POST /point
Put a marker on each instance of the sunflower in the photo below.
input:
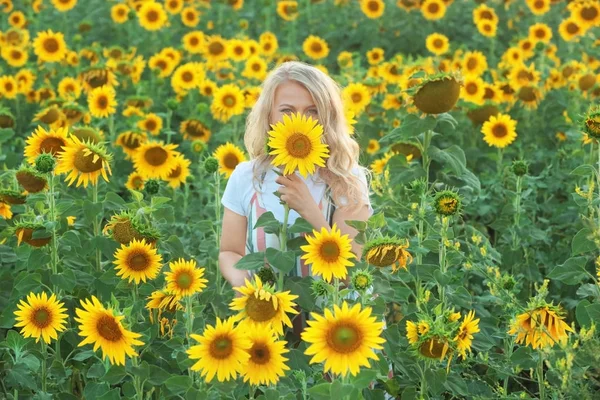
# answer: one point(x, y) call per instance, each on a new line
point(184, 279)
point(43, 141)
point(540, 327)
point(266, 363)
point(64, 5)
point(447, 203)
point(329, 253)
point(268, 44)
point(93, 78)
point(464, 338)
point(378, 166)
point(151, 123)
point(372, 8)
point(101, 327)
point(163, 300)
point(260, 306)
point(487, 28)
point(473, 89)
point(215, 49)
point(433, 9)
point(484, 12)
point(135, 181)
point(181, 172)
point(529, 96)
point(315, 47)
point(296, 143)
point(437, 94)
point(388, 251)
point(174, 6)
point(51, 115)
point(102, 101)
point(228, 101)
point(50, 46)
point(238, 50)
point(538, 7)
point(287, 9)
point(499, 130)
point(25, 232)
point(569, 29)
point(130, 142)
point(124, 227)
point(437, 44)
point(344, 339)
point(152, 16)
point(31, 180)
point(193, 42)
point(41, 317)
point(187, 76)
point(193, 129)
point(375, 55)
point(190, 17)
point(83, 161)
point(5, 211)
point(155, 159)
point(373, 146)
point(474, 63)
point(119, 13)
point(8, 87)
point(357, 97)
point(69, 88)
point(17, 19)
point(540, 33)
point(256, 68)
point(14, 56)
point(229, 156)
point(223, 351)
point(587, 13)
point(137, 261)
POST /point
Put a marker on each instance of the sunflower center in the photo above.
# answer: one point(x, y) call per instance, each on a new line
point(540, 33)
point(51, 116)
point(260, 310)
point(471, 64)
point(316, 47)
point(229, 101)
point(572, 28)
point(187, 76)
point(433, 8)
point(438, 43)
point(330, 251)
point(499, 131)
point(152, 16)
point(256, 67)
point(184, 280)
point(539, 4)
point(102, 102)
point(109, 329)
point(356, 97)
point(85, 162)
point(344, 338)
point(298, 145)
point(51, 145)
point(486, 15)
point(221, 347)
point(16, 54)
point(138, 262)
point(259, 354)
point(51, 45)
point(589, 13)
point(194, 41)
point(42, 317)
point(156, 156)
point(471, 88)
point(432, 348)
point(373, 6)
point(448, 205)
point(175, 173)
point(150, 125)
point(216, 48)
point(527, 94)
point(230, 161)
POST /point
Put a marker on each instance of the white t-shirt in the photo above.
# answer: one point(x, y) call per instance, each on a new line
point(239, 191)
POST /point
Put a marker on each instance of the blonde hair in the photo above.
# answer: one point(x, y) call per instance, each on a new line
point(343, 149)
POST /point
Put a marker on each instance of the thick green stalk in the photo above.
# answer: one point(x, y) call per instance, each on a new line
point(517, 217)
point(44, 369)
point(540, 376)
point(283, 242)
point(217, 177)
point(96, 227)
point(54, 248)
point(442, 256)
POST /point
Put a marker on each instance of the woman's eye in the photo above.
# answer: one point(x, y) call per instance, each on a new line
point(313, 111)
point(285, 110)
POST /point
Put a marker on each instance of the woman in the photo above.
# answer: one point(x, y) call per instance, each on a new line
point(331, 195)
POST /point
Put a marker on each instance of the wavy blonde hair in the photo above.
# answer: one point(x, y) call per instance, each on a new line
point(343, 149)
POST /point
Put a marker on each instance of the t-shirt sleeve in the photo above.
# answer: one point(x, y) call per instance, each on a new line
point(232, 196)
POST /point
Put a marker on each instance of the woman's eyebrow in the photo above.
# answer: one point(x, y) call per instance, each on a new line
point(291, 106)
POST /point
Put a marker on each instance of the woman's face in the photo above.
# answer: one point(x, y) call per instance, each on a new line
point(292, 97)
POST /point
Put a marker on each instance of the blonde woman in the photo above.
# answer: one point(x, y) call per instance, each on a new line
point(334, 194)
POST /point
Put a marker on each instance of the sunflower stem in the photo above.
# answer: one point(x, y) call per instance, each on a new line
point(111, 128)
point(168, 125)
point(499, 160)
point(423, 383)
point(598, 182)
point(518, 212)
point(540, 375)
point(442, 258)
point(283, 241)
point(189, 326)
point(96, 226)
point(44, 371)
point(54, 248)
point(336, 291)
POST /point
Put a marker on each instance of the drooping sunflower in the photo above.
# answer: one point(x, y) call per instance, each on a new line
point(386, 251)
point(124, 227)
point(464, 338)
point(163, 300)
point(193, 129)
point(155, 159)
point(83, 161)
point(266, 363)
point(260, 306)
point(329, 253)
point(50, 46)
point(356, 97)
point(296, 143)
point(5, 211)
point(344, 339)
point(222, 351)
point(229, 156)
point(228, 101)
point(102, 101)
point(26, 230)
point(30, 179)
point(372, 8)
point(438, 93)
point(43, 141)
point(101, 327)
point(433, 10)
point(130, 141)
point(499, 130)
point(137, 261)
point(540, 327)
point(41, 317)
point(69, 88)
point(287, 9)
point(315, 47)
point(181, 172)
point(184, 278)
point(152, 16)
point(151, 123)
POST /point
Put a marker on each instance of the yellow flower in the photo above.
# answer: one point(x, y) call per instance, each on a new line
point(155, 159)
point(229, 156)
point(102, 101)
point(41, 317)
point(315, 47)
point(119, 13)
point(84, 162)
point(437, 43)
point(64, 5)
point(328, 253)
point(184, 278)
point(137, 261)
point(50, 46)
point(152, 16)
point(266, 363)
point(372, 8)
point(228, 101)
point(499, 130)
point(288, 10)
point(464, 338)
point(433, 9)
point(539, 328)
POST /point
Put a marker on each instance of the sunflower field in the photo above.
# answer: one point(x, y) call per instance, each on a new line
point(121, 122)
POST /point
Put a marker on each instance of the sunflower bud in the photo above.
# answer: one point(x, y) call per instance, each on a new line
point(320, 288)
point(362, 280)
point(519, 167)
point(198, 146)
point(151, 186)
point(172, 104)
point(419, 186)
point(447, 203)
point(591, 124)
point(267, 276)
point(202, 108)
point(211, 165)
point(45, 163)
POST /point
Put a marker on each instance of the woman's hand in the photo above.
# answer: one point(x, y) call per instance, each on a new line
point(295, 193)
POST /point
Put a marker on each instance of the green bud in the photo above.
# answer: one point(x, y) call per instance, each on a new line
point(320, 288)
point(151, 186)
point(202, 108)
point(211, 165)
point(267, 276)
point(447, 203)
point(45, 163)
point(362, 280)
point(519, 167)
point(198, 146)
point(172, 104)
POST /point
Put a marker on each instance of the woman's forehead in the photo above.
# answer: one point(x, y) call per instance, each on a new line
point(294, 94)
